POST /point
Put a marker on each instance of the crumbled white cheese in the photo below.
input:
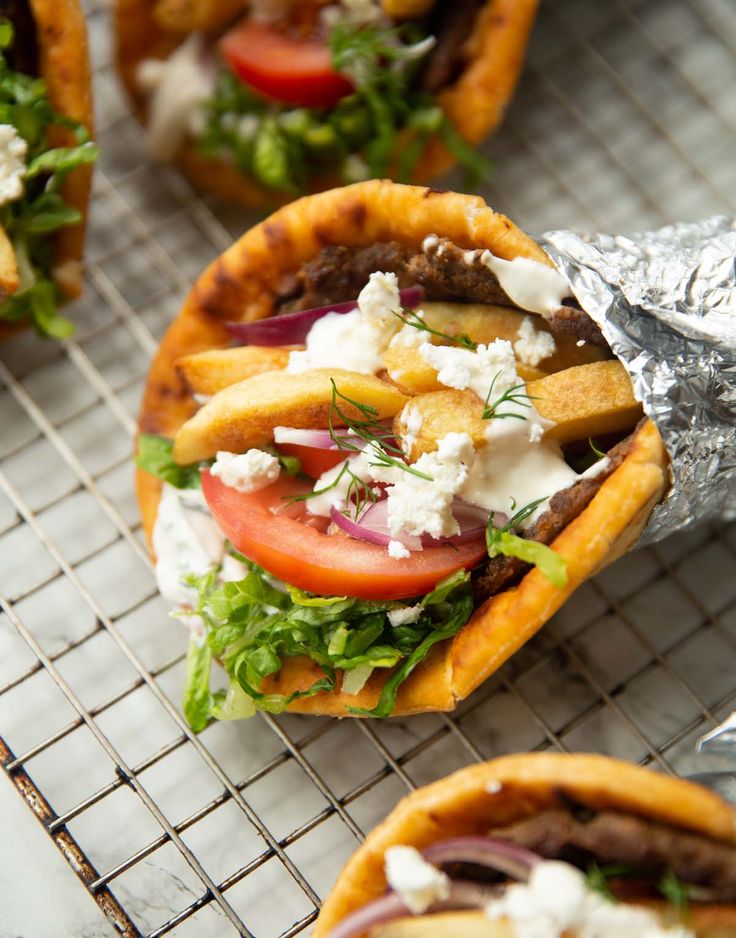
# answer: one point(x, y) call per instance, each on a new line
point(430, 242)
point(493, 786)
point(418, 883)
point(186, 540)
point(355, 12)
point(404, 615)
point(556, 899)
point(409, 336)
point(356, 340)
point(247, 472)
point(533, 345)
point(410, 421)
point(470, 257)
point(527, 283)
point(177, 87)
point(13, 153)
point(492, 364)
point(580, 343)
point(397, 550)
point(424, 505)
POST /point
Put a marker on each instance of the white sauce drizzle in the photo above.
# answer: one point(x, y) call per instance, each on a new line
point(529, 284)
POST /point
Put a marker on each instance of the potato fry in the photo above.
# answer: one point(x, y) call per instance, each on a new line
point(445, 925)
point(186, 16)
point(211, 371)
point(588, 400)
point(406, 9)
point(9, 281)
point(482, 323)
point(244, 415)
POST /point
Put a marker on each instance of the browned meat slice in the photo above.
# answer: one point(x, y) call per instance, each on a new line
point(452, 23)
point(339, 273)
point(564, 507)
point(649, 848)
point(446, 272)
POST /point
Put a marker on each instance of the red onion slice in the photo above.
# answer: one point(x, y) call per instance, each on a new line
point(292, 328)
point(463, 895)
point(373, 533)
point(314, 439)
point(500, 855)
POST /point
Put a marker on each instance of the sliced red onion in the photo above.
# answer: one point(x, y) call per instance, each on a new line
point(314, 439)
point(373, 526)
point(463, 895)
point(500, 855)
point(292, 328)
point(373, 533)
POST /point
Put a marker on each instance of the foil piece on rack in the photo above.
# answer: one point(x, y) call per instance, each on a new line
point(666, 303)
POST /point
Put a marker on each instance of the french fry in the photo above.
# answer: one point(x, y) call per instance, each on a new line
point(482, 323)
point(211, 371)
point(244, 415)
point(406, 9)
point(186, 16)
point(9, 281)
point(585, 401)
point(474, 924)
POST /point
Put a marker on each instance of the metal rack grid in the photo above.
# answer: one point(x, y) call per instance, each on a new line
point(625, 119)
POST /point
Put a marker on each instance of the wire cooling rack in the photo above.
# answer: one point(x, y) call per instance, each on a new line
point(625, 118)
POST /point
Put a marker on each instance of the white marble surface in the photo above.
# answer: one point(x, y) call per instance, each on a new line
point(40, 896)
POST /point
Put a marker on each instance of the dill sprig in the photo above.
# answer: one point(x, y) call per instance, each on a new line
point(411, 318)
point(599, 453)
point(513, 395)
point(384, 449)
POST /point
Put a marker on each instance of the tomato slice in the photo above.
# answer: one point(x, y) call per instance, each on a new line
point(296, 71)
point(314, 461)
point(277, 537)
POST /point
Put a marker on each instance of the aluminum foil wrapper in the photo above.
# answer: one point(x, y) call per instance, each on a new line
point(666, 303)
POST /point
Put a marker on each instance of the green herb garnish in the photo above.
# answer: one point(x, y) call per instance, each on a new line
point(411, 318)
point(513, 395)
point(597, 878)
point(503, 541)
point(675, 892)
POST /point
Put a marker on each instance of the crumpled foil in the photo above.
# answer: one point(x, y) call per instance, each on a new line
point(666, 303)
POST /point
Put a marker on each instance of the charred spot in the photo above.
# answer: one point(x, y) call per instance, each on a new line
point(171, 392)
point(433, 190)
point(323, 235)
point(223, 296)
point(149, 423)
point(357, 214)
point(277, 235)
point(581, 812)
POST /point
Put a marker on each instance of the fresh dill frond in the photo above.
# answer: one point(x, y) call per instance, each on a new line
point(513, 395)
point(598, 453)
point(598, 878)
point(411, 318)
point(675, 892)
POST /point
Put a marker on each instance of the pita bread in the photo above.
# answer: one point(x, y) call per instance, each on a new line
point(498, 793)
point(242, 285)
point(475, 102)
point(63, 63)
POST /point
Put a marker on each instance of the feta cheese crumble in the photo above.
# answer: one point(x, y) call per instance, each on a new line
point(527, 283)
point(177, 87)
point(418, 883)
point(247, 472)
point(398, 551)
point(405, 615)
point(556, 899)
point(13, 153)
point(424, 505)
point(533, 345)
point(492, 364)
point(356, 340)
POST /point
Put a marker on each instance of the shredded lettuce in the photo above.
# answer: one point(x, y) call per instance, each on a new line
point(41, 209)
point(252, 627)
point(155, 455)
point(503, 541)
point(283, 146)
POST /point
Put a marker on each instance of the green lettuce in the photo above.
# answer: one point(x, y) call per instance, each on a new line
point(155, 455)
point(251, 626)
point(41, 210)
